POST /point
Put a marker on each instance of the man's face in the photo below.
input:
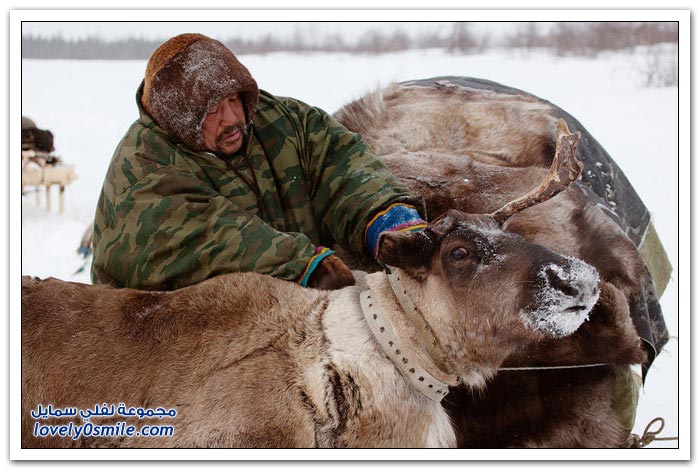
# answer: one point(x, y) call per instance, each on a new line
point(224, 126)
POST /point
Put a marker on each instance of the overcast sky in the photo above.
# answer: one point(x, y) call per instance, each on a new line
point(225, 30)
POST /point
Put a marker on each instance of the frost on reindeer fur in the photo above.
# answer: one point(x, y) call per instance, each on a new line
point(560, 313)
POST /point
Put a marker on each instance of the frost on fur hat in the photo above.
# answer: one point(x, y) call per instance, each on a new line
point(185, 77)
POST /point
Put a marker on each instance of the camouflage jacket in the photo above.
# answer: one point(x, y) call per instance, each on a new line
point(168, 217)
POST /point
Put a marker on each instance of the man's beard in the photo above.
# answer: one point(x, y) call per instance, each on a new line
point(242, 127)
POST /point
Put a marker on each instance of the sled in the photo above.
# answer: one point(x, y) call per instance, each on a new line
point(37, 171)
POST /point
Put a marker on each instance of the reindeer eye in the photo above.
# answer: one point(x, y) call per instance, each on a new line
point(461, 253)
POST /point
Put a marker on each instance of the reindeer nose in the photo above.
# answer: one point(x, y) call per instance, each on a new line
point(567, 292)
point(558, 280)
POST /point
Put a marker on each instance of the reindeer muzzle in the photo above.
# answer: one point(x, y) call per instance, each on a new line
point(566, 294)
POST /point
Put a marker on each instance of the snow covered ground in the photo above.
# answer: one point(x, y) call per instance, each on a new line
point(88, 105)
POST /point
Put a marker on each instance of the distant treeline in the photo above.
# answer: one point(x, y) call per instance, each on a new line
point(568, 38)
point(591, 38)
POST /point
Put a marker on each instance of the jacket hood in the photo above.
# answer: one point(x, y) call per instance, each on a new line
point(185, 77)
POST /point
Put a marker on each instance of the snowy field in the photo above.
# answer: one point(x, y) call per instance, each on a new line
point(88, 105)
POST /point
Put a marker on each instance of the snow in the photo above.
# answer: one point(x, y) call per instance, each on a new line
point(88, 105)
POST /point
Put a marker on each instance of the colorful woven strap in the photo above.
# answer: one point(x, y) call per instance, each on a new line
point(321, 253)
point(397, 217)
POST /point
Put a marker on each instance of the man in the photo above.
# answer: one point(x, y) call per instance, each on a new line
point(217, 176)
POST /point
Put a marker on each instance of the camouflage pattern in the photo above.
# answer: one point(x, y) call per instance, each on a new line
point(168, 217)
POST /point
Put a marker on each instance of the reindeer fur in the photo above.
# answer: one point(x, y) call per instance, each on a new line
point(475, 150)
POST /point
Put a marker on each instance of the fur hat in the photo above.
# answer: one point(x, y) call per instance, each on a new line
point(185, 77)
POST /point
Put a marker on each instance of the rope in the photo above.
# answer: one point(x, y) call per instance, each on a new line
point(649, 436)
point(82, 266)
point(554, 367)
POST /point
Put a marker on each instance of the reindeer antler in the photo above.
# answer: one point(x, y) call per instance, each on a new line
point(565, 169)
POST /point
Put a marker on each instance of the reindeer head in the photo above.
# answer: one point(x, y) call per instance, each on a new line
point(487, 292)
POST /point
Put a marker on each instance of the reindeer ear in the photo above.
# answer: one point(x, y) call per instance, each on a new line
point(405, 249)
point(444, 224)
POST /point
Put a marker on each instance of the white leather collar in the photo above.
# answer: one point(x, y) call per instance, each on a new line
point(414, 366)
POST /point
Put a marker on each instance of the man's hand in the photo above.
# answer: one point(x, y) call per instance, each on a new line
point(331, 274)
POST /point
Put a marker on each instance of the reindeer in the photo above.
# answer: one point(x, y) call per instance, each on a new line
point(472, 150)
point(37, 139)
point(365, 366)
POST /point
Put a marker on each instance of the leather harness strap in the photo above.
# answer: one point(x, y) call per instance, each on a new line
point(400, 352)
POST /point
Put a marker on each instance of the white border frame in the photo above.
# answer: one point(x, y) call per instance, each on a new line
point(683, 453)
